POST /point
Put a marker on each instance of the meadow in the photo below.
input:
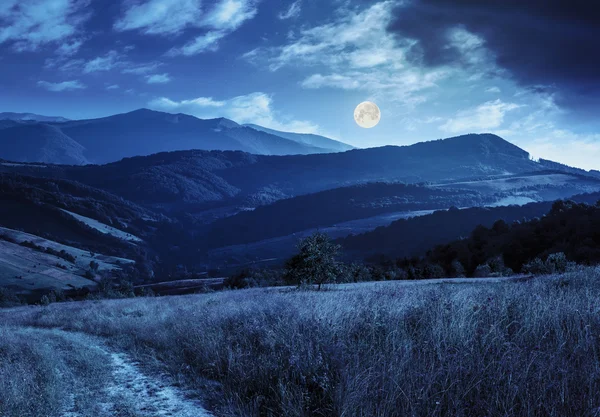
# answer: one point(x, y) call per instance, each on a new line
point(373, 349)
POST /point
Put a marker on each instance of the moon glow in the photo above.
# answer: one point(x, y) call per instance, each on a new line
point(367, 114)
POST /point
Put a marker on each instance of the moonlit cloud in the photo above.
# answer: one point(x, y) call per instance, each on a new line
point(102, 63)
point(159, 17)
point(69, 48)
point(141, 69)
point(62, 86)
point(293, 11)
point(158, 79)
point(31, 24)
point(489, 115)
point(254, 108)
point(230, 14)
point(358, 53)
point(203, 43)
point(494, 90)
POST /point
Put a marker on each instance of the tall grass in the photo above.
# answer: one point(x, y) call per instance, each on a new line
point(382, 349)
point(39, 371)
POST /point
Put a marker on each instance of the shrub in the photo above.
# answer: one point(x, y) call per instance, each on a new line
point(482, 271)
point(8, 298)
point(554, 263)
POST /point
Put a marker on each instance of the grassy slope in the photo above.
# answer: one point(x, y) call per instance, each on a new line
point(24, 269)
point(518, 349)
point(39, 370)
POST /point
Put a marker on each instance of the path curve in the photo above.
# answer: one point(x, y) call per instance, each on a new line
point(145, 395)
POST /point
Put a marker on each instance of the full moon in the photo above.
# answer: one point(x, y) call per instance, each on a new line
point(367, 114)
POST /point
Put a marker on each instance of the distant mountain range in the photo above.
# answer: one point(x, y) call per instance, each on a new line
point(307, 139)
point(33, 138)
point(30, 117)
point(193, 205)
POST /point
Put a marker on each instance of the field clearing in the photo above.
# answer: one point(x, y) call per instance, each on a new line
point(497, 348)
point(25, 270)
point(513, 182)
point(104, 228)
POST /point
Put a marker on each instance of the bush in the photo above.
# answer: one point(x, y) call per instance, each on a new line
point(554, 263)
point(482, 271)
point(8, 298)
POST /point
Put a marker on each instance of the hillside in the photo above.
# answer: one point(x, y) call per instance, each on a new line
point(568, 227)
point(29, 117)
point(40, 142)
point(141, 132)
point(225, 178)
point(414, 236)
point(31, 265)
point(307, 139)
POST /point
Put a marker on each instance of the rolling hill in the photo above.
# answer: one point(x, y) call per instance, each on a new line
point(29, 117)
point(181, 208)
point(306, 138)
point(141, 132)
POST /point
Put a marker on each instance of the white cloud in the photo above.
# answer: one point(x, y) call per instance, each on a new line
point(345, 82)
point(495, 90)
point(355, 40)
point(252, 108)
point(355, 51)
point(102, 63)
point(160, 17)
point(141, 69)
point(30, 24)
point(112, 87)
point(230, 14)
point(578, 150)
point(203, 43)
point(69, 48)
point(62, 86)
point(157, 17)
point(158, 78)
point(489, 115)
point(293, 11)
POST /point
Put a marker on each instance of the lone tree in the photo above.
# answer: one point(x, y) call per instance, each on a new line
point(315, 262)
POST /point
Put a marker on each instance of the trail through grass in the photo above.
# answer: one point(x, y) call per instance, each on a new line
point(498, 349)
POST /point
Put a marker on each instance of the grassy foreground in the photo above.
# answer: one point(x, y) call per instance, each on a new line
point(39, 371)
point(381, 349)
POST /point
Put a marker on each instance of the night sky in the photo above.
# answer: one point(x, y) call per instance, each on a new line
point(528, 71)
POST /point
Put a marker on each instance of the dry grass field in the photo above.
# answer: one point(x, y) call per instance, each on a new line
point(383, 349)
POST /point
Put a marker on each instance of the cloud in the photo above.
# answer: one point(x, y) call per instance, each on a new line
point(495, 90)
point(30, 24)
point(141, 69)
point(69, 48)
point(203, 43)
point(102, 63)
point(158, 78)
point(546, 42)
point(158, 17)
point(293, 11)
point(62, 86)
point(579, 150)
point(112, 87)
point(254, 108)
point(230, 14)
point(489, 115)
point(354, 52)
point(348, 41)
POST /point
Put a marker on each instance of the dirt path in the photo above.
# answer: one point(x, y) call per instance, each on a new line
point(131, 392)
